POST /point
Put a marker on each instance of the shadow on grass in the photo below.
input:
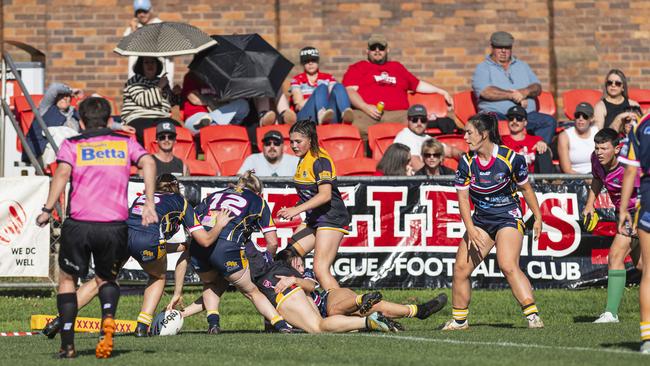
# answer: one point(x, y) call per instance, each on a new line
point(584, 319)
point(493, 325)
point(91, 352)
point(633, 346)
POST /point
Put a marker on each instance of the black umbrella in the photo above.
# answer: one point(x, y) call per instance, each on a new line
point(241, 66)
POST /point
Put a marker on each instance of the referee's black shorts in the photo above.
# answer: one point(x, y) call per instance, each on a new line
point(106, 241)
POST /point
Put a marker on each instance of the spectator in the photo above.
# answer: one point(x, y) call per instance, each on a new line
point(502, 81)
point(316, 95)
point(166, 162)
point(615, 99)
point(624, 121)
point(377, 81)
point(271, 162)
point(143, 15)
point(147, 97)
point(60, 117)
point(267, 116)
point(395, 162)
point(575, 144)
point(413, 136)
point(202, 108)
point(433, 155)
point(533, 148)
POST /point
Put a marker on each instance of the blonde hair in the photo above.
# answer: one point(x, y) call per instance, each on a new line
point(249, 180)
point(432, 144)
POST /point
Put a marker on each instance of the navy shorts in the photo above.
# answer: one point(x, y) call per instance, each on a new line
point(493, 223)
point(145, 247)
point(643, 214)
point(225, 256)
point(266, 283)
point(105, 241)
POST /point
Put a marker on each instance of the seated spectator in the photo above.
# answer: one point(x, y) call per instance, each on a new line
point(316, 95)
point(624, 122)
point(575, 144)
point(413, 136)
point(202, 108)
point(378, 88)
point(502, 81)
point(395, 162)
point(615, 99)
point(60, 117)
point(271, 162)
point(267, 116)
point(166, 162)
point(533, 148)
point(433, 156)
point(147, 96)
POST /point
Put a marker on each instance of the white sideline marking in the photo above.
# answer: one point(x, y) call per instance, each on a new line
point(501, 344)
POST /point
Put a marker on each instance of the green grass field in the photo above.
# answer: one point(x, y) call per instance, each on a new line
point(497, 335)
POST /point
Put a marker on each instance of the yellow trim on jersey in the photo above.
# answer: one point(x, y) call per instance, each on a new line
point(333, 228)
point(279, 298)
point(506, 159)
point(244, 260)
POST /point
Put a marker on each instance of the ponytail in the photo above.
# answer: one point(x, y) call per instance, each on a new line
point(487, 122)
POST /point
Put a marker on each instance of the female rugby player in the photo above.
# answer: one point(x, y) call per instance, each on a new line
point(490, 176)
point(326, 219)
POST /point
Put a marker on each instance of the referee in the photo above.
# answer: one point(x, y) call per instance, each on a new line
point(98, 163)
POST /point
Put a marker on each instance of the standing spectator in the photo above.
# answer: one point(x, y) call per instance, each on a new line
point(533, 148)
point(98, 210)
point(166, 162)
point(575, 144)
point(271, 162)
point(147, 97)
point(396, 161)
point(143, 15)
point(316, 95)
point(615, 99)
point(433, 155)
point(378, 88)
point(502, 81)
point(202, 108)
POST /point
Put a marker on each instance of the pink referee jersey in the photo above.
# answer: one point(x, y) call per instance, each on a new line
point(101, 164)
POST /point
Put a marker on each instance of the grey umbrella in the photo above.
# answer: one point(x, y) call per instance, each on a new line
point(164, 40)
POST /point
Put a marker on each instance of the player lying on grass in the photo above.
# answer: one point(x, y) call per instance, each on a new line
point(343, 301)
point(148, 245)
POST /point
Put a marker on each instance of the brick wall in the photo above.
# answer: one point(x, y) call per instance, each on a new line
point(569, 44)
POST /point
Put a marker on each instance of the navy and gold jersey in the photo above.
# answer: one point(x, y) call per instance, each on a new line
point(314, 170)
point(492, 187)
point(636, 151)
point(250, 210)
point(172, 209)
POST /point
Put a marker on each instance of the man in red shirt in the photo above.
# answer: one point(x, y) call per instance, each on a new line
point(533, 148)
point(378, 88)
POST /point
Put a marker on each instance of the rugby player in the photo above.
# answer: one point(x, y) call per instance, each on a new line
point(608, 172)
point(98, 162)
point(490, 175)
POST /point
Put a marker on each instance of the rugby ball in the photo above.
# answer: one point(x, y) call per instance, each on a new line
point(167, 323)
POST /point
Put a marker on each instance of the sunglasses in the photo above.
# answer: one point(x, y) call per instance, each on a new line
point(377, 47)
point(502, 47)
point(429, 155)
point(272, 142)
point(516, 118)
point(580, 115)
point(166, 136)
point(614, 82)
point(422, 120)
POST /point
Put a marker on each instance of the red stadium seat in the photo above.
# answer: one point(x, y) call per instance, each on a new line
point(184, 148)
point(456, 141)
point(381, 136)
point(355, 166)
point(571, 98)
point(223, 143)
point(465, 105)
point(24, 114)
point(283, 129)
point(641, 96)
point(230, 168)
point(546, 103)
point(434, 103)
point(503, 128)
point(341, 141)
point(200, 167)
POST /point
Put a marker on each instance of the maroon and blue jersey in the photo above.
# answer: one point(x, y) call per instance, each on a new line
point(250, 210)
point(172, 209)
point(493, 185)
point(636, 151)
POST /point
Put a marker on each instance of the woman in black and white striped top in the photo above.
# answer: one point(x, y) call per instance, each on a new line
point(147, 97)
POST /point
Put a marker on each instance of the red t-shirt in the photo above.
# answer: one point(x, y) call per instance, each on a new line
point(388, 83)
point(190, 84)
point(525, 147)
point(301, 82)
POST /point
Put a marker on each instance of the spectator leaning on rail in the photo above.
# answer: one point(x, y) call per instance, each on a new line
point(378, 88)
point(166, 161)
point(502, 81)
